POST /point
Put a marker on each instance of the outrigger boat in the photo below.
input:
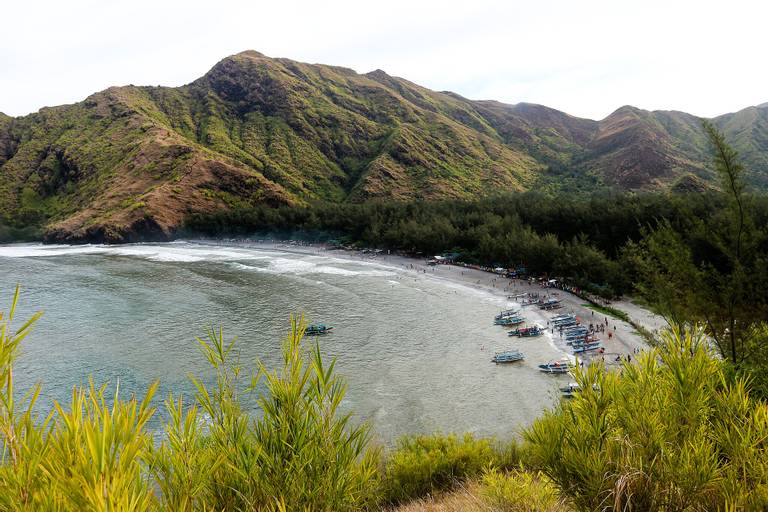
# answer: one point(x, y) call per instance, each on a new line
point(527, 332)
point(556, 370)
point(570, 389)
point(550, 304)
point(508, 356)
point(575, 338)
point(509, 320)
point(506, 313)
point(560, 366)
point(317, 329)
point(582, 340)
point(587, 347)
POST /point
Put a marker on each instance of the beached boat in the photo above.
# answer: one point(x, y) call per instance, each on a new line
point(575, 338)
point(506, 313)
point(563, 316)
point(317, 329)
point(587, 347)
point(550, 304)
point(508, 356)
point(583, 341)
point(527, 332)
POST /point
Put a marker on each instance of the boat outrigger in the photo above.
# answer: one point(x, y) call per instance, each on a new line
point(527, 332)
point(506, 313)
point(587, 347)
point(509, 320)
point(550, 304)
point(557, 367)
point(317, 329)
point(508, 356)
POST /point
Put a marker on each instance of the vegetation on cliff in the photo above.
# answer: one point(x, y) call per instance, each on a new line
point(131, 163)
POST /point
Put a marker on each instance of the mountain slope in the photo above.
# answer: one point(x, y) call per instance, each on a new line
point(133, 162)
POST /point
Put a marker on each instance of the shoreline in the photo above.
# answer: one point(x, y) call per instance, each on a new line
point(625, 340)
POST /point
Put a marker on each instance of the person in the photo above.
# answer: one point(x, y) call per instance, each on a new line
point(610, 335)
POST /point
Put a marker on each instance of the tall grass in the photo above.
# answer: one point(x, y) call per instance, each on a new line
point(96, 453)
point(671, 432)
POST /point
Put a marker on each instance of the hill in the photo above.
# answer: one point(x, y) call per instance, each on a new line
point(133, 162)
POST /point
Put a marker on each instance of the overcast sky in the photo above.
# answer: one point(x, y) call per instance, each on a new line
point(584, 57)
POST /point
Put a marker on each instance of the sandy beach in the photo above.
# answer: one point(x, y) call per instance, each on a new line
point(624, 340)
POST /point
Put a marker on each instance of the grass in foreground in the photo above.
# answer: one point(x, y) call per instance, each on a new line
point(672, 431)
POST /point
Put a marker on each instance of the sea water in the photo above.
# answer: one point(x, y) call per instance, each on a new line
point(414, 348)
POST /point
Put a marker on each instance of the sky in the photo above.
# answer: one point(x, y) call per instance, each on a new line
point(584, 57)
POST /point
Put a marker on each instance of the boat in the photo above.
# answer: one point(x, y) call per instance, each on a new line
point(550, 304)
point(583, 341)
point(565, 323)
point(561, 366)
point(506, 313)
point(509, 320)
point(588, 347)
point(559, 362)
point(527, 332)
point(555, 370)
point(569, 390)
point(508, 356)
point(317, 329)
point(564, 316)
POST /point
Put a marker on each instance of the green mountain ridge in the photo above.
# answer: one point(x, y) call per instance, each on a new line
point(133, 162)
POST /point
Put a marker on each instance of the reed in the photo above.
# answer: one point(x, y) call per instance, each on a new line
point(670, 432)
point(95, 453)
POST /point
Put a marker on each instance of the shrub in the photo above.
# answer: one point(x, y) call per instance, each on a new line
point(520, 491)
point(96, 454)
point(422, 465)
point(670, 432)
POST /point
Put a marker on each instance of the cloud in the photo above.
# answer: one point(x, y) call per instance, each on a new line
point(586, 57)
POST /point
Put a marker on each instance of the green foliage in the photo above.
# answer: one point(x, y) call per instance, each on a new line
point(422, 465)
point(670, 432)
point(520, 491)
point(96, 454)
point(713, 271)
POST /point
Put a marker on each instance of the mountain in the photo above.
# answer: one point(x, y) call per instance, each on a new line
point(132, 162)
